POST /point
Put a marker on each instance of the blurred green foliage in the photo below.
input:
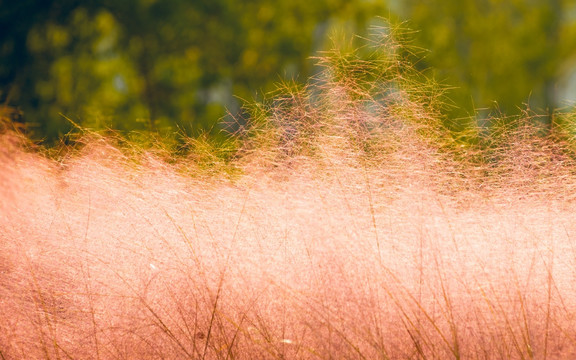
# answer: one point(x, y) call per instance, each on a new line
point(178, 66)
point(157, 65)
point(500, 56)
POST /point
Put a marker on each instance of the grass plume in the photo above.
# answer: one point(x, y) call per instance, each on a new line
point(345, 221)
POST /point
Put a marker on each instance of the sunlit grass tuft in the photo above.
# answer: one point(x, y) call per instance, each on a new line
point(347, 220)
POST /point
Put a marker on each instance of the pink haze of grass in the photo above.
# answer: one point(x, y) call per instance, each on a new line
point(103, 256)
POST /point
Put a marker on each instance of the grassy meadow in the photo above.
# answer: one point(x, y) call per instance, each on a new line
point(346, 222)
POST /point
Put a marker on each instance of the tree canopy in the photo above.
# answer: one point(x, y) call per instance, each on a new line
point(181, 65)
point(498, 55)
point(156, 65)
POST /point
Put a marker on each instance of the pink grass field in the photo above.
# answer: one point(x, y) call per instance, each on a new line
point(107, 257)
